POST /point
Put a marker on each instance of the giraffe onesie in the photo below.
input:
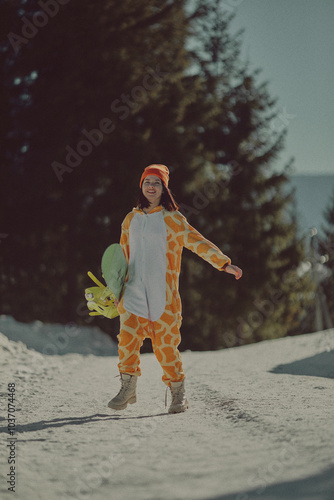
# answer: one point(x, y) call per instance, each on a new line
point(151, 306)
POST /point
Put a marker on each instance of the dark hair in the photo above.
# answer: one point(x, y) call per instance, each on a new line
point(167, 200)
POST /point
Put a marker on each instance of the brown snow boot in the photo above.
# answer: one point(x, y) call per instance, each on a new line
point(179, 401)
point(127, 393)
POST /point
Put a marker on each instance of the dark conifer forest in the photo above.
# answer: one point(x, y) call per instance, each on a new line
point(92, 93)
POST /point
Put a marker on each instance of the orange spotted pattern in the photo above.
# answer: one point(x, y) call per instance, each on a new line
point(165, 337)
point(164, 333)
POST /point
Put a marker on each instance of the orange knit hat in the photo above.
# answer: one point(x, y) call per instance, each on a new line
point(160, 171)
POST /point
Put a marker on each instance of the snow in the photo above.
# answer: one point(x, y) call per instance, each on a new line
point(59, 339)
point(260, 425)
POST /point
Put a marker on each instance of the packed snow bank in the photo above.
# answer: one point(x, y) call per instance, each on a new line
point(260, 426)
point(58, 339)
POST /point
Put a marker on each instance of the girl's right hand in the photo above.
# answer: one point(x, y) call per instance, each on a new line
point(234, 270)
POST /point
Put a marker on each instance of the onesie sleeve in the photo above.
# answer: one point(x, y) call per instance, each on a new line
point(195, 241)
point(124, 240)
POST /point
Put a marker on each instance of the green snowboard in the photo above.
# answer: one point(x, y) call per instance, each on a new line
point(114, 269)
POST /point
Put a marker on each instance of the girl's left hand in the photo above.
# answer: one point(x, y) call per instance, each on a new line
point(234, 270)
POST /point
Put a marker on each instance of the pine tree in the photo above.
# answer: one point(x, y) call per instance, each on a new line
point(241, 203)
point(96, 95)
point(326, 246)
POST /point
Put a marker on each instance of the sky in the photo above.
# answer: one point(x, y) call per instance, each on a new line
point(292, 42)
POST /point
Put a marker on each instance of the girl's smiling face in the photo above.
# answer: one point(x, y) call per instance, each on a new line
point(152, 190)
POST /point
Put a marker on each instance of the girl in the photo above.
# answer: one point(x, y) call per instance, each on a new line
point(153, 236)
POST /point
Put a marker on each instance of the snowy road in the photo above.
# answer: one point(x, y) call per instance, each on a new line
point(260, 426)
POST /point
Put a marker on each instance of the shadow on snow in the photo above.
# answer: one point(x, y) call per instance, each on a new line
point(320, 365)
point(61, 422)
point(317, 487)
